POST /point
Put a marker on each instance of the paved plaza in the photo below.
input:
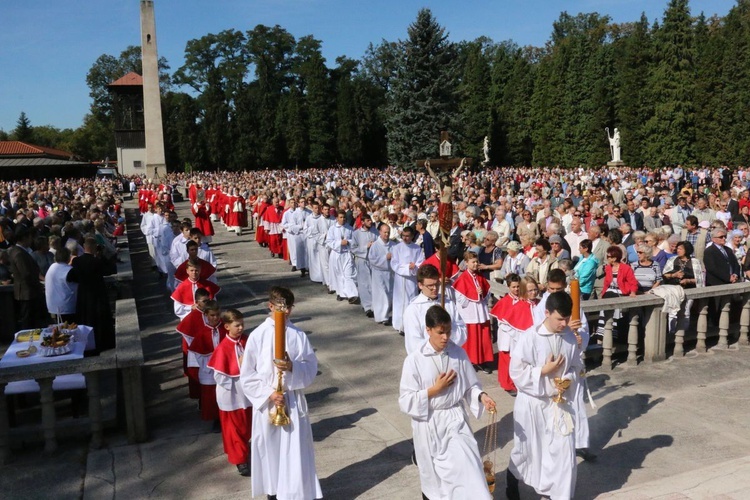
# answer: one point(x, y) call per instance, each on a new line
point(675, 429)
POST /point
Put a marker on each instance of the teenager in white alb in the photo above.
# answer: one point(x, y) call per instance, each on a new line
point(438, 387)
point(282, 458)
point(544, 455)
point(405, 260)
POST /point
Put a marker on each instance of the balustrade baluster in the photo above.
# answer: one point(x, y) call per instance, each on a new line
point(725, 303)
point(633, 339)
point(607, 341)
point(745, 320)
point(702, 327)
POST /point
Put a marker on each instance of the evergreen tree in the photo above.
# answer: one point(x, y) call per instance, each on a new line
point(670, 132)
point(271, 52)
point(318, 94)
point(632, 51)
point(474, 95)
point(423, 100)
point(23, 132)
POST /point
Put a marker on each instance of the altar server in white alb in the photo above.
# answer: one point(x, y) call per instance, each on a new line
point(415, 333)
point(362, 240)
point(283, 459)
point(544, 455)
point(407, 256)
point(438, 386)
point(311, 232)
point(556, 282)
point(343, 274)
point(382, 275)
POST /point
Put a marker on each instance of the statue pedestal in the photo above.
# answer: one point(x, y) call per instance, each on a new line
point(615, 163)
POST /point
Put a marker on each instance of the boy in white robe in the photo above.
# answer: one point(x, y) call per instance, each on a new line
point(407, 256)
point(362, 240)
point(341, 261)
point(311, 232)
point(282, 458)
point(556, 282)
point(415, 333)
point(438, 385)
point(544, 455)
point(379, 258)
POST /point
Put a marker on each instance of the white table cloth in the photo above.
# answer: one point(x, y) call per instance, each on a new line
point(61, 382)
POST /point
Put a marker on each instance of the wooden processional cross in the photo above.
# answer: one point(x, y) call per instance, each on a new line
point(444, 171)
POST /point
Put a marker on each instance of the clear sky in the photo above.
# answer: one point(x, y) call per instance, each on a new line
point(49, 45)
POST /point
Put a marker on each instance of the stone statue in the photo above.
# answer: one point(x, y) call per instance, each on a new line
point(614, 145)
point(486, 150)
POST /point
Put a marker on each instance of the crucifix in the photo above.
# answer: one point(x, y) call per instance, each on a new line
point(444, 171)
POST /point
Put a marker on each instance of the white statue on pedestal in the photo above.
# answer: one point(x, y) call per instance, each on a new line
point(486, 150)
point(614, 145)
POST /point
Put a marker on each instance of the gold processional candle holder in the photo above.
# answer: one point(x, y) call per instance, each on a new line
point(562, 385)
point(278, 415)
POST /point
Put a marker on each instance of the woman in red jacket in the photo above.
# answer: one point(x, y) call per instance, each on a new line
point(619, 278)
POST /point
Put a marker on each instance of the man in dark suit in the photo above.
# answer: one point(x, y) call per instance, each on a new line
point(27, 288)
point(635, 219)
point(456, 247)
point(721, 265)
point(92, 304)
point(732, 206)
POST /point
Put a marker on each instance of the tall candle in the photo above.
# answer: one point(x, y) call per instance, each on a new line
point(280, 337)
point(575, 294)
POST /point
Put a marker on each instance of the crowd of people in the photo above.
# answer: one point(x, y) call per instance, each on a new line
point(58, 240)
point(374, 238)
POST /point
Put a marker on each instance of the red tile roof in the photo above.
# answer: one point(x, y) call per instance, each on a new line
point(18, 148)
point(131, 79)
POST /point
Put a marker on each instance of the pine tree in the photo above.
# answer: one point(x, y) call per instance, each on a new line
point(632, 51)
point(474, 94)
point(670, 132)
point(423, 100)
point(23, 132)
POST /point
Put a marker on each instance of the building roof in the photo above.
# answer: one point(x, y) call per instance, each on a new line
point(42, 162)
point(129, 80)
point(24, 149)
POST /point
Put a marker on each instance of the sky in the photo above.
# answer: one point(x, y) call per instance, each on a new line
point(48, 46)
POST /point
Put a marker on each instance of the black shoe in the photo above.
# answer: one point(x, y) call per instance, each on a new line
point(586, 455)
point(401, 333)
point(216, 427)
point(331, 291)
point(339, 298)
point(294, 269)
point(304, 272)
point(512, 393)
point(243, 469)
point(476, 367)
point(486, 369)
point(370, 314)
point(387, 323)
point(354, 300)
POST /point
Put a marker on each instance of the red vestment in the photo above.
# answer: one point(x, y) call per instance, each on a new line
point(236, 425)
point(516, 314)
point(450, 267)
point(478, 345)
point(207, 270)
point(202, 211)
point(202, 339)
